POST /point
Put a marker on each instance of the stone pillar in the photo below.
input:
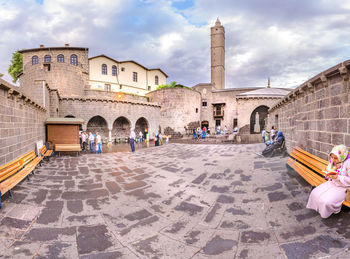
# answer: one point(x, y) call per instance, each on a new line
point(109, 135)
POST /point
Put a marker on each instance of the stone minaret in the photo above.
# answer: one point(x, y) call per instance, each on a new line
point(218, 55)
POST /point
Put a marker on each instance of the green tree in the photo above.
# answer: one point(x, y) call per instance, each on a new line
point(173, 84)
point(16, 66)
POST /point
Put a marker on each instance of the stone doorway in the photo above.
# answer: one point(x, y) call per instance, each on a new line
point(258, 119)
point(121, 128)
point(98, 124)
point(141, 125)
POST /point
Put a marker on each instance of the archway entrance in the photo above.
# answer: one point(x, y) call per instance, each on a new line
point(121, 128)
point(258, 119)
point(141, 125)
point(205, 124)
point(98, 124)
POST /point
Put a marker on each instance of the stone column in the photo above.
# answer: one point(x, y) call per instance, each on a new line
point(109, 135)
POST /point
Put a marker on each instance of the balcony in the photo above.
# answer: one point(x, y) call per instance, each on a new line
point(217, 114)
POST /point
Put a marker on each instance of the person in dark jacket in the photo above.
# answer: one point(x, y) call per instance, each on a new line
point(276, 144)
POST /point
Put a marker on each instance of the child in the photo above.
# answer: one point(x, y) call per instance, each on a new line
point(167, 140)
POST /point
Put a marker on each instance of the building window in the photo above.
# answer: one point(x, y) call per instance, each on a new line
point(204, 103)
point(114, 70)
point(74, 60)
point(60, 58)
point(120, 87)
point(35, 60)
point(156, 80)
point(196, 110)
point(47, 59)
point(123, 69)
point(134, 76)
point(47, 67)
point(149, 88)
point(235, 123)
point(107, 87)
point(104, 69)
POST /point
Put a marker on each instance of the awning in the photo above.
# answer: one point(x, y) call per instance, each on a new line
point(64, 121)
point(218, 103)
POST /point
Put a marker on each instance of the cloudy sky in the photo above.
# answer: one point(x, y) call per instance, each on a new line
point(286, 40)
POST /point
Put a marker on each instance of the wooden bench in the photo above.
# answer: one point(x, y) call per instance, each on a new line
point(44, 152)
point(309, 167)
point(67, 148)
point(15, 171)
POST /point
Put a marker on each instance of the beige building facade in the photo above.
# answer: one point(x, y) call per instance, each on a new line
point(108, 74)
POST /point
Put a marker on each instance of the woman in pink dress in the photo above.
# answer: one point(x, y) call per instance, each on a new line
point(328, 197)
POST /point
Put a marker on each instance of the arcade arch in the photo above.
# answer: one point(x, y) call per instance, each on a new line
point(121, 127)
point(141, 125)
point(258, 119)
point(98, 124)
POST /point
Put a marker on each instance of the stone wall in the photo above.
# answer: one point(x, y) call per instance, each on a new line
point(316, 115)
point(180, 107)
point(21, 123)
point(111, 110)
point(69, 79)
point(89, 93)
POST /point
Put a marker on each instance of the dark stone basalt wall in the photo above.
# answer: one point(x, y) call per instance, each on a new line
point(316, 115)
point(21, 123)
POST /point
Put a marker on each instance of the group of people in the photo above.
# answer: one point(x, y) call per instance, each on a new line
point(158, 139)
point(200, 133)
point(92, 142)
point(273, 139)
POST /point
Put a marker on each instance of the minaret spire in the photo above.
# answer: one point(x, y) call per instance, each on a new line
point(268, 83)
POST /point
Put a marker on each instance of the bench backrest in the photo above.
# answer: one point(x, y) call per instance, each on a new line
point(28, 157)
point(43, 150)
point(10, 168)
point(315, 163)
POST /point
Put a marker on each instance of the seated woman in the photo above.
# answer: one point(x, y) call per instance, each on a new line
point(328, 197)
point(275, 144)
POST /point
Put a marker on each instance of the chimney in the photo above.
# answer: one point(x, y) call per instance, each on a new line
point(41, 46)
point(66, 45)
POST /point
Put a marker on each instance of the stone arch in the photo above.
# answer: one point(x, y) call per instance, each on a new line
point(141, 125)
point(205, 124)
point(69, 116)
point(98, 123)
point(261, 113)
point(121, 127)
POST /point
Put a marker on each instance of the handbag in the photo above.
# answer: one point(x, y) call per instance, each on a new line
point(347, 197)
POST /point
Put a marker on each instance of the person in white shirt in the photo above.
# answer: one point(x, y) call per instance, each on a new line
point(273, 133)
point(84, 139)
point(99, 143)
point(140, 137)
point(263, 134)
point(132, 140)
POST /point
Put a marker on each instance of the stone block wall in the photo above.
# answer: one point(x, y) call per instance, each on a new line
point(180, 107)
point(110, 111)
point(21, 123)
point(316, 115)
point(89, 93)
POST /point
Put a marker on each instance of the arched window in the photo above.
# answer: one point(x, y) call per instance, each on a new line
point(156, 80)
point(74, 60)
point(35, 60)
point(47, 59)
point(114, 70)
point(104, 69)
point(60, 58)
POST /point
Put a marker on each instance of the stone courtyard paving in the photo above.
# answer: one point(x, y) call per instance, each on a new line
point(175, 201)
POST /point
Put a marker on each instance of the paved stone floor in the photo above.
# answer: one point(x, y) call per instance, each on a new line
point(175, 201)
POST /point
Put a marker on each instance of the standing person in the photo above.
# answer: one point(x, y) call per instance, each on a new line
point(0, 197)
point(160, 136)
point(132, 140)
point(194, 133)
point(273, 133)
point(99, 143)
point(83, 139)
point(328, 197)
point(156, 140)
point(263, 134)
point(140, 137)
point(225, 130)
point(91, 141)
point(167, 140)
